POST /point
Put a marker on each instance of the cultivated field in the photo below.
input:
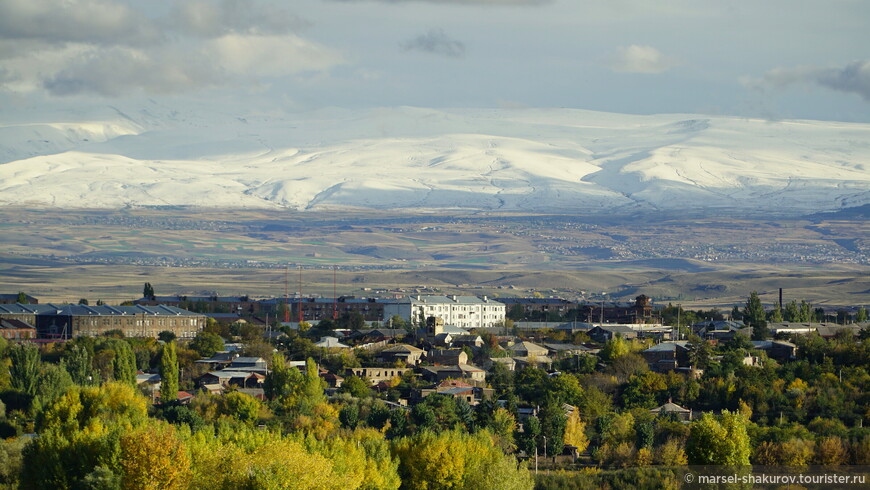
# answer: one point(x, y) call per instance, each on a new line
point(108, 255)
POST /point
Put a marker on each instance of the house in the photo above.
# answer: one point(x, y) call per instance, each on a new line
point(254, 364)
point(462, 311)
point(669, 408)
point(376, 375)
point(11, 299)
point(447, 357)
point(467, 340)
point(558, 351)
point(401, 352)
point(508, 362)
point(12, 329)
point(527, 349)
point(226, 379)
point(219, 360)
point(461, 371)
point(667, 356)
point(328, 342)
point(332, 380)
point(523, 361)
point(460, 390)
point(603, 333)
point(779, 350)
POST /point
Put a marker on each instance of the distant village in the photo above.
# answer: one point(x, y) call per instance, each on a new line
point(450, 343)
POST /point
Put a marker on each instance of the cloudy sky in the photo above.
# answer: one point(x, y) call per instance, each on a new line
point(772, 58)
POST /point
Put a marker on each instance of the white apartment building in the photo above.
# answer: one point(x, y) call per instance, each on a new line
point(461, 311)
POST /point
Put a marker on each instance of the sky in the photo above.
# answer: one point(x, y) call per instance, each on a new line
point(775, 59)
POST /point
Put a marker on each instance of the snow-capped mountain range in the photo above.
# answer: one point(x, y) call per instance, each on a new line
point(535, 160)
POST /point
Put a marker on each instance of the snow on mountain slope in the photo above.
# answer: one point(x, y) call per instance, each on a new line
point(413, 158)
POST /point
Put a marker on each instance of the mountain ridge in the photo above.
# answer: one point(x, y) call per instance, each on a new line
point(513, 160)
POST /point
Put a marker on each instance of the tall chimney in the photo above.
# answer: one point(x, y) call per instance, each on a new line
point(780, 298)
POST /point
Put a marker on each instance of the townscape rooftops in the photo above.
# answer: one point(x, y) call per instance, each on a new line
point(669, 346)
point(101, 310)
point(12, 324)
point(466, 300)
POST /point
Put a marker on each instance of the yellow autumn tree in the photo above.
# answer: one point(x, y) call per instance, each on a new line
point(153, 458)
point(575, 431)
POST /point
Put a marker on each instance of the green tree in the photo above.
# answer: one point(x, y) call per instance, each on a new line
point(282, 380)
point(22, 298)
point(83, 301)
point(25, 368)
point(754, 316)
point(169, 373)
point(356, 386)
point(240, 406)
point(148, 291)
point(207, 343)
point(166, 336)
point(124, 363)
point(77, 361)
point(52, 382)
point(614, 348)
point(861, 316)
point(792, 312)
point(719, 441)
point(775, 315)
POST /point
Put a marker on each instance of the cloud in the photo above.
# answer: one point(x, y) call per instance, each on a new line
point(436, 42)
point(221, 61)
point(113, 47)
point(853, 78)
point(640, 59)
point(465, 2)
point(212, 19)
point(94, 21)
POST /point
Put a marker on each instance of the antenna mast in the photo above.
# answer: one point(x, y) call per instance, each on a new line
point(286, 295)
point(334, 298)
point(301, 316)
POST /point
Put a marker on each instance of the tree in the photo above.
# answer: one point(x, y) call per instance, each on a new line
point(240, 406)
point(356, 386)
point(24, 371)
point(455, 459)
point(754, 316)
point(719, 441)
point(22, 298)
point(153, 457)
point(207, 343)
point(776, 314)
point(77, 361)
point(282, 380)
point(575, 431)
point(148, 291)
point(124, 363)
point(83, 301)
point(861, 316)
point(166, 336)
point(169, 373)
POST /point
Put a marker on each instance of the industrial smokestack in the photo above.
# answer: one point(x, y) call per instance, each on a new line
point(780, 297)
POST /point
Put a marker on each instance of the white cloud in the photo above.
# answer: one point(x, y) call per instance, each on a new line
point(110, 48)
point(640, 59)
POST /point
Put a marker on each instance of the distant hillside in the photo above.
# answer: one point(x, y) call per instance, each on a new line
point(533, 160)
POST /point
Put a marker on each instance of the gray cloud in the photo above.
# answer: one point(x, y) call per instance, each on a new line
point(436, 42)
point(852, 78)
point(466, 2)
point(111, 47)
point(211, 19)
point(87, 21)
